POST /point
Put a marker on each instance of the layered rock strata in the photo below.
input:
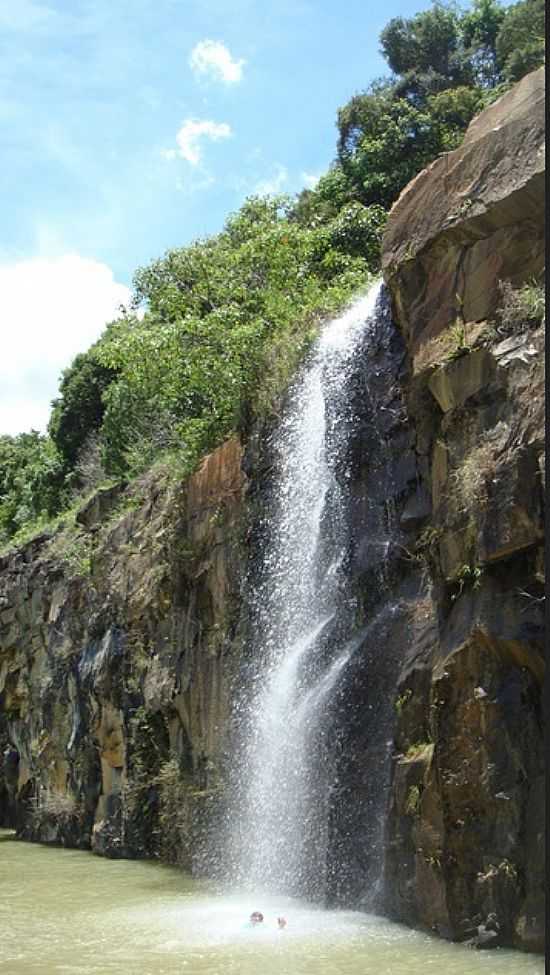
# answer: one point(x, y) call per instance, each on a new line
point(466, 825)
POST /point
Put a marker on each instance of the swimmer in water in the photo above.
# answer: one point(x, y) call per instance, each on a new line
point(281, 923)
point(255, 918)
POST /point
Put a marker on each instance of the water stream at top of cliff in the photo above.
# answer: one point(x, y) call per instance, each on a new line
point(302, 632)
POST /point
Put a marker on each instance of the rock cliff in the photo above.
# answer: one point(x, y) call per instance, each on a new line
point(466, 823)
point(121, 633)
point(115, 665)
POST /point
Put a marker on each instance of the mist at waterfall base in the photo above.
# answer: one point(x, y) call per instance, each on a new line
point(302, 640)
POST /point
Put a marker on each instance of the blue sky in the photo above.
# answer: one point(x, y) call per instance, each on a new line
point(132, 126)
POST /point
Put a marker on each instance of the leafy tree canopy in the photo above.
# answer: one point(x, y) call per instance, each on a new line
point(228, 319)
point(427, 43)
point(78, 411)
point(480, 29)
point(447, 65)
point(520, 40)
point(384, 141)
point(31, 479)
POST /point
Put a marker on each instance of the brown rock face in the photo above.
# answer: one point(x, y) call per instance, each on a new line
point(117, 646)
point(473, 217)
point(466, 819)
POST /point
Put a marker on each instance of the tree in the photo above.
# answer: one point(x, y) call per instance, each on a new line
point(480, 27)
point(427, 46)
point(323, 203)
point(227, 320)
point(446, 67)
point(520, 40)
point(453, 110)
point(78, 411)
point(31, 481)
point(384, 141)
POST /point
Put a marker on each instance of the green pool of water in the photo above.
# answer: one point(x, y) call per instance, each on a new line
point(66, 912)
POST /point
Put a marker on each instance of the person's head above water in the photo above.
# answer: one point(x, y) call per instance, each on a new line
point(256, 917)
point(281, 922)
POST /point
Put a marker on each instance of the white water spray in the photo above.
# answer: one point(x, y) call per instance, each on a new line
point(281, 829)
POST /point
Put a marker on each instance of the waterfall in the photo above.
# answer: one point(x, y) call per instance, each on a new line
point(302, 625)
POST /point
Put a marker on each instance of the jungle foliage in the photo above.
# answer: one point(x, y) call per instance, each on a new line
point(217, 328)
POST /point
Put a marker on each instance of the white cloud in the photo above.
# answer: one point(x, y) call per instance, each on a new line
point(273, 184)
point(52, 308)
point(194, 129)
point(168, 154)
point(311, 179)
point(214, 59)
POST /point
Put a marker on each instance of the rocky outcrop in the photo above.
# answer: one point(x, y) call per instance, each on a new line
point(466, 819)
point(117, 644)
point(471, 219)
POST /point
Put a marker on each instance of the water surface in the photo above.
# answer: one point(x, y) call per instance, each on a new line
point(68, 912)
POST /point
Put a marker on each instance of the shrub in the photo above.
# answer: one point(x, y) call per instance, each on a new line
point(57, 807)
point(471, 481)
point(227, 321)
point(31, 481)
point(402, 700)
point(519, 308)
point(467, 575)
point(412, 802)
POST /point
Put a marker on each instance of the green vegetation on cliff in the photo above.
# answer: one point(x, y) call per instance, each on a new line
point(31, 481)
point(227, 321)
point(217, 328)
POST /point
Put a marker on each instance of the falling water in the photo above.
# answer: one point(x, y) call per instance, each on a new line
point(302, 631)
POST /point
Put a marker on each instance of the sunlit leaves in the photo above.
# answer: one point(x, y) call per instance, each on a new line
point(520, 41)
point(31, 477)
point(200, 363)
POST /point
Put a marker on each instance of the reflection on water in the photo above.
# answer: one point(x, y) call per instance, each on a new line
point(65, 911)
